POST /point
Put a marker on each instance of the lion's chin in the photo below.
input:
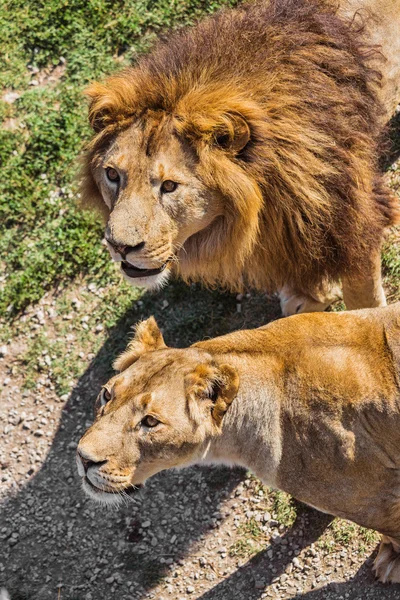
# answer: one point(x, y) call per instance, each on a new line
point(149, 280)
point(110, 498)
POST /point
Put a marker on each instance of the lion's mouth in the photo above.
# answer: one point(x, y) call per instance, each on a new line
point(130, 491)
point(133, 271)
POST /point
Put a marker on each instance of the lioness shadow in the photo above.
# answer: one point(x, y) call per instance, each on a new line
point(54, 542)
point(253, 578)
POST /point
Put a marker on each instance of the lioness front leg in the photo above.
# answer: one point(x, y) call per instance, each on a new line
point(293, 302)
point(387, 563)
point(365, 291)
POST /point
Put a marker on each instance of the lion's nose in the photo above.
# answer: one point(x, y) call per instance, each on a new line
point(122, 249)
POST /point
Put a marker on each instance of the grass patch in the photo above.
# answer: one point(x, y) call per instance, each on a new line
point(251, 540)
point(344, 533)
point(44, 237)
point(283, 507)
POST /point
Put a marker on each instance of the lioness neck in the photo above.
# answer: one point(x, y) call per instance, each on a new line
point(250, 434)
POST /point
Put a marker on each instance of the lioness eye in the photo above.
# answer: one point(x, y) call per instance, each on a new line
point(150, 421)
point(105, 397)
point(112, 175)
point(168, 186)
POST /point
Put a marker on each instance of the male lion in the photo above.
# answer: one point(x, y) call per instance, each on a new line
point(243, 152)
point(311, 404)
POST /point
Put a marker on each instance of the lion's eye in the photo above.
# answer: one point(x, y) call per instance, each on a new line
point(168, 186)
point(105, 397)
point(150, 421)
point(112, 175)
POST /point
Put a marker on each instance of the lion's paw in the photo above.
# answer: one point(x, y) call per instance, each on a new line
point(387, 563)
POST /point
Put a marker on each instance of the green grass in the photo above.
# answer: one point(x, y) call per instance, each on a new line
point(251, 539)
point(341, 533)
point(283, 507)
point(45, 238)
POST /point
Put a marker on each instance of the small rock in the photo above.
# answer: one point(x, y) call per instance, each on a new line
point(10, 98)
point(190, 589)
point(146, 524)
point(259, 584)
point(267, 517)
point(3, 351)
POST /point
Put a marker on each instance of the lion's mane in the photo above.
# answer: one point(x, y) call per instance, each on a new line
point(304, 200)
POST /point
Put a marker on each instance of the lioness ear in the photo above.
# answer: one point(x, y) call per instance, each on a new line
point(234, 134)
point(147, 338)
point(216, 384)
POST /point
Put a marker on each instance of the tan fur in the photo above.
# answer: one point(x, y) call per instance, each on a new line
point(311, 404)
point(273, 141)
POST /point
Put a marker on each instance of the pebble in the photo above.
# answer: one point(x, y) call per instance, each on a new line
point(11, 97)
point(146, 524)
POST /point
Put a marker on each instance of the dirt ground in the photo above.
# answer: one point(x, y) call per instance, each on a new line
point(204, 533)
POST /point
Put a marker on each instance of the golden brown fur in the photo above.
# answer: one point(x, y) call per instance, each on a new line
point(281, 129)
point(311, 404)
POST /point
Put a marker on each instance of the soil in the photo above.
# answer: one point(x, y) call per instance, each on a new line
point(201, 533)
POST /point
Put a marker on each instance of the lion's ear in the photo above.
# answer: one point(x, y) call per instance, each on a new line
point(147, 338)
point(100, 107)
point(234, 134)
point(217, 384)
point(111, 102)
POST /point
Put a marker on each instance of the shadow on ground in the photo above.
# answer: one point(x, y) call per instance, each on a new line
point(68, 548)
point(55, 543)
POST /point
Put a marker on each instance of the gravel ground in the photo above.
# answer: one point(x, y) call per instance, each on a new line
point(206, 533)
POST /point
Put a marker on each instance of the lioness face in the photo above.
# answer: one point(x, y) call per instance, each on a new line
point(155, 198)
point(160, 412)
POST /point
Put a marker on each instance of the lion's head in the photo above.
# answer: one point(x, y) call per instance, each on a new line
point(251, 162)
point(173, 192)
point(159, 412)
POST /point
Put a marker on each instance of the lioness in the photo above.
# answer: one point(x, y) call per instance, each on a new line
point(311, 404)
point(243, 152)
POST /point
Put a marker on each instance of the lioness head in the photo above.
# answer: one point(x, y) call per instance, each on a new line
point(159, 412)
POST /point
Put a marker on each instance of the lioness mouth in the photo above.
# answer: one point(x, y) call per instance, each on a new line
point(133, 271)
point(130, 491)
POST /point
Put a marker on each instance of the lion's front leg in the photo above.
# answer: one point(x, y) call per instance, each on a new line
point(293, 302)
point(365, 291)
point(387, 563)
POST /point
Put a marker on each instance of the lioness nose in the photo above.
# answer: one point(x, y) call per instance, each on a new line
point(121, 248)
point(87, 462)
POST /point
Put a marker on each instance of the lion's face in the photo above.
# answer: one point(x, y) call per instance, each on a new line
point(158, 413)
point(148, 179)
